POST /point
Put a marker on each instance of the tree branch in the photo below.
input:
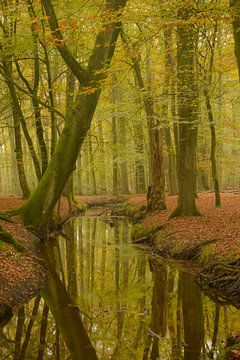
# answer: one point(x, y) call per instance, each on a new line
point(106, 40)
point(80, 73)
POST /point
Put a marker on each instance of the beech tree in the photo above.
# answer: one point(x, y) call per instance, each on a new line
point(187, 113)
point(39, 208)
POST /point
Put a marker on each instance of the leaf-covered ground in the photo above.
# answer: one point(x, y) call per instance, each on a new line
point(23, 274)
point(222, 225)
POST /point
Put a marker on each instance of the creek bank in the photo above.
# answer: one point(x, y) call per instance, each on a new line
point(22, 271)
point(212, 242)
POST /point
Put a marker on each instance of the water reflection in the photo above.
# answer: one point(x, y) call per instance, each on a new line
point(107, 300)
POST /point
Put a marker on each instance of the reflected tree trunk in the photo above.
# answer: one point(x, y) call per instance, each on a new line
point(29, 328)
point(66, 314)
point(142, 300)
point(172, 325)
point(159, 306)
point(103, 258)
point(43, 332)
point(81, 255)
point(19, 332)
point(71, 261)
point(193, 323)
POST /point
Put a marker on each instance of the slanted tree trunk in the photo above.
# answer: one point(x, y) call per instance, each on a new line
point(187, 115)
point(38, 210)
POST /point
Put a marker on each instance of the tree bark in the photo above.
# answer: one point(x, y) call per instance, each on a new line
point(187, 115)
point(213, 149)
point(155, 195)
point(38, 210)
point(169, 77)
point(235, 6)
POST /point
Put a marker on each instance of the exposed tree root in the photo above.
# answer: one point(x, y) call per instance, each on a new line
point(7, 215)
point(181, 212)
point(221, 282)
point(7, 238)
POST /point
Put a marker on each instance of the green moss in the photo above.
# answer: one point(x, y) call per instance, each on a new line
point(127, 209)
point(206, 255)
point(81, 207)
point(139, 230)
point(3, 246)
point(7, 238)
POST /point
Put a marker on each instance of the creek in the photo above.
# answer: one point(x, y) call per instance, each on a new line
point(130, 306)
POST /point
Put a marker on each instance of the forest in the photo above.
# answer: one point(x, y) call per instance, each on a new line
point(119, 182)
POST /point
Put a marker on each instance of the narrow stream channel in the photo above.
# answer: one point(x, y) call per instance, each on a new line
point(131, 306)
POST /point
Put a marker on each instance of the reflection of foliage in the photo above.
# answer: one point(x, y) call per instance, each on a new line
point(113, 290)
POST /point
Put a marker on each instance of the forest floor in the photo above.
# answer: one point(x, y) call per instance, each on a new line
point(217, 234)
point(218, 228)
point(22, 274)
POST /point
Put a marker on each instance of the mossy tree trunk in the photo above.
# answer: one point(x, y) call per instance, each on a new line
point(39, 208)
point(187, 115)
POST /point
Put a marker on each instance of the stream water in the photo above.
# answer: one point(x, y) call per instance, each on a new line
point(129, 306)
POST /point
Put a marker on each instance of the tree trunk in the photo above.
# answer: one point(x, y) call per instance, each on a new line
point(235, 6)
point(213, 149)
point(122, 140)
point(19, 117)
point(92, 165)
point(139, 163)
point(114, 141)
point(123, 164)
point(103, 183)
point(38, 210)
point(187, 115)
point(156, 196)
point(169, 77)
